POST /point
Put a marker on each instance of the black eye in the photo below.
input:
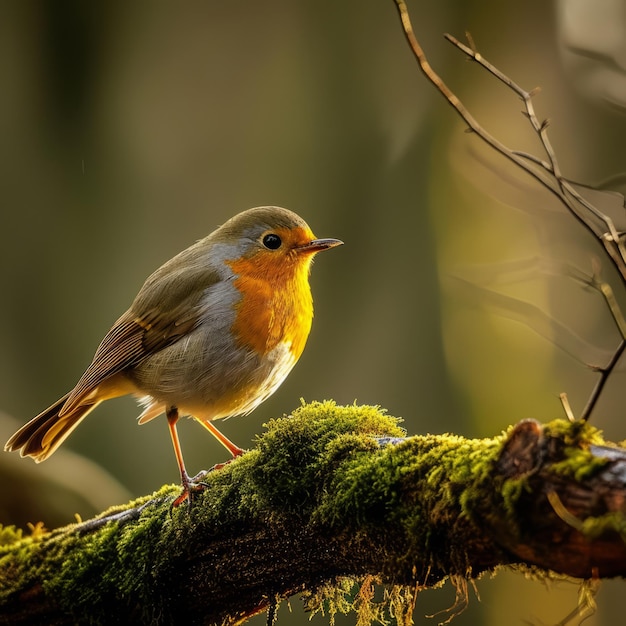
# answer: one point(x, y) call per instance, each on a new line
point(272, 241)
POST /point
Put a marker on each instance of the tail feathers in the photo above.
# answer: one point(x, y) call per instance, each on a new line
point(40, 437)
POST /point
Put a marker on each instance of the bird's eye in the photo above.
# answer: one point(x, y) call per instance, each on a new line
point(272, 241)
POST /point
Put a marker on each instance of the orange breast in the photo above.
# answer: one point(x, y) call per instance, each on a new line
point(276, 304)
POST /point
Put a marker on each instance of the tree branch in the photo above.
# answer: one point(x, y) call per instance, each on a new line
point(332, 493)
point(547, 173)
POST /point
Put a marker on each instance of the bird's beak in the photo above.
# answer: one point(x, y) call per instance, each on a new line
point(317, 245)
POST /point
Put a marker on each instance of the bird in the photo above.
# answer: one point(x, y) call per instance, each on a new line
point(211, 334)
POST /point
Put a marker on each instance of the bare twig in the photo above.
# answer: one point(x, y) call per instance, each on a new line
point(604, 372)
point(563, 190)
point(606, 291)
point(566, 407)
point(546, 172)
point(454, 101)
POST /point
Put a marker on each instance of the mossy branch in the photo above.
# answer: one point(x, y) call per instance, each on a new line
point(332, 493)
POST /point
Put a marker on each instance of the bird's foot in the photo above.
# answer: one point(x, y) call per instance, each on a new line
point(192, 488)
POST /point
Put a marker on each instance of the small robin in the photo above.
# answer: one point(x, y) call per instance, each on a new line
point(211, 334)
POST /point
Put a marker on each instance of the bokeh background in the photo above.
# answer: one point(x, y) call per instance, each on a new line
point(129, 130)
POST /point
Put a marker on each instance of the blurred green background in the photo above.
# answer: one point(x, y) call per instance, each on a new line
point(129, 130)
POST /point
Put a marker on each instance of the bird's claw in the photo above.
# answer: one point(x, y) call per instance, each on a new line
point(192, 488)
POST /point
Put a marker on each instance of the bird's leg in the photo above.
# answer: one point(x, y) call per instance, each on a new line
point(191, 486)
point(225, 441)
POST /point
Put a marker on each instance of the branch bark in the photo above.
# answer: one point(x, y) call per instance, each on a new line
point(332, 495)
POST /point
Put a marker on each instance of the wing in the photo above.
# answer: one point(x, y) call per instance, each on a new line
point(168, 307)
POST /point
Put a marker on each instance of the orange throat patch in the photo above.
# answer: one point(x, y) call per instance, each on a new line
point(276, 305)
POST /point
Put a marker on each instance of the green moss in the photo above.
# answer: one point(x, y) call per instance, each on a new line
point(9, 535)
point(574, 433)
point(321, 466)
point(594, 527)
point(363, 597)
point(579, 464)
point(331, 598)
point(296, 453)
point(511, 491)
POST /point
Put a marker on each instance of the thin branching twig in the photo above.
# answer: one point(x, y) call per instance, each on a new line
point(546, 172)
point(561, 187)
